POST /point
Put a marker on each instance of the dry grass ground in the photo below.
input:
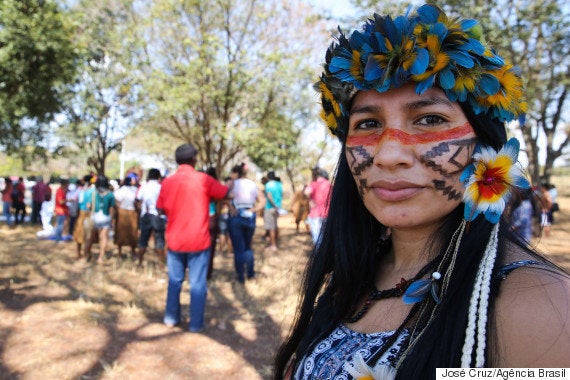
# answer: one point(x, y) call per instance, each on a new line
point(66, 319)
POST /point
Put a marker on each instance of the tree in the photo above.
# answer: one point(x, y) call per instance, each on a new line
point(221, 69)
point(276, 146)
point(37, 57)
point(100, 105)
point(535, 35)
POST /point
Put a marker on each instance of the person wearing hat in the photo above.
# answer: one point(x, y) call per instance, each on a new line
point(184, 199)
point(417, 267)
point(318, 194)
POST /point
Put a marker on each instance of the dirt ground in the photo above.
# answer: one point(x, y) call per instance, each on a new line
point(61, 318)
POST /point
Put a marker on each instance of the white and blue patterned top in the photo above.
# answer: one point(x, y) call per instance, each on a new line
point(327, 359)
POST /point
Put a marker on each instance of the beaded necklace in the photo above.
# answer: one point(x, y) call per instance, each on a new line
point(375, 295)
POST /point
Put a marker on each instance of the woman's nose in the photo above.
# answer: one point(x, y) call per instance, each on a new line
point(393, 149)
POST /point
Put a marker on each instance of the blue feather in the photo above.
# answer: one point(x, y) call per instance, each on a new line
point(372, 70)
point(379, 38)
point(417, 291)
point(391, 32)
point(428, 13)
point(425, 85)
point(452, 95)
point(440, 30)
point(462, 96)
point(475, 46)
point(401, 23)
point(522, 182)
point(359, 41)
point(489, 84)
point(467, 172)
point(446, 79)
point(421, 63)
point(462, 58)
point(492, 217)
point(495, 59)
point(470, 213)
point(468, 24)
point(338, 64)
point(383, 86)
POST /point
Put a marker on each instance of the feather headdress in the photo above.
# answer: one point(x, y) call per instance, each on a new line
point(427, 48)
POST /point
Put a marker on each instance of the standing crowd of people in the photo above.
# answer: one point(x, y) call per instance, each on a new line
point(188, 213)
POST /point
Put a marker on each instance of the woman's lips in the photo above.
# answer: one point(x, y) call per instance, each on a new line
point(395, 191)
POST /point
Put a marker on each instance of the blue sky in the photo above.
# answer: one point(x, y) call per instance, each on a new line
point(338, 8)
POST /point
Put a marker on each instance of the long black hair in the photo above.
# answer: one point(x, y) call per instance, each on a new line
point(348, 257)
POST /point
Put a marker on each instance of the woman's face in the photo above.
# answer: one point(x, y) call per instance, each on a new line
point(406, 153)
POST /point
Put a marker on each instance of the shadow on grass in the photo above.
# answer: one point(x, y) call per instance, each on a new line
point(28, 266)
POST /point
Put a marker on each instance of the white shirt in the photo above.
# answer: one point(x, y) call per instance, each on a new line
point(125, 197)
point(148, 194)
point(245, 193)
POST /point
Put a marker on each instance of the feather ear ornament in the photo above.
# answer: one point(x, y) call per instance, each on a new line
point(419, 289)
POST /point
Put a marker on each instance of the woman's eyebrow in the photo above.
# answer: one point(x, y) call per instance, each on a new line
point(417, 104)
point(366, 108)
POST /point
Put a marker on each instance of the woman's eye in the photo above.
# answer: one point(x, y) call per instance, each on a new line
point(367, 124)
point(431, 120)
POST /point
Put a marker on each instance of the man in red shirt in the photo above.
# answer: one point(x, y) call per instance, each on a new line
point(184, 198)
point(61, 209)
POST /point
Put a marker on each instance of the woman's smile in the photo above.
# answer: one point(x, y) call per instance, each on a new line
point(395, 191)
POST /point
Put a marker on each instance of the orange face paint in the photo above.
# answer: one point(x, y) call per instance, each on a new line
point(409, 139)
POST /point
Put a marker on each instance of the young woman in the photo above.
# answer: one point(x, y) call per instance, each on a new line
point(127, 221)
point(104, 214)
point(246, 203)
point(417, 267)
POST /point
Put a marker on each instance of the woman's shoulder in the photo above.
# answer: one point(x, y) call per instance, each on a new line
point(533, 315)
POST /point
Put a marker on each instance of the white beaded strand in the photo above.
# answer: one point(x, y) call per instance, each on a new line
point(477, 319)
point(490, 255)
point(471, 322)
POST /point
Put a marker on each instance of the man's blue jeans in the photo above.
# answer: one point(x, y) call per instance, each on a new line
point(197, 264)
point(241, 231)
point(59, 223)
point(7, 212)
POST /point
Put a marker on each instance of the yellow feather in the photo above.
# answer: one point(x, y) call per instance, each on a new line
point(433, 44)
point(441, 62)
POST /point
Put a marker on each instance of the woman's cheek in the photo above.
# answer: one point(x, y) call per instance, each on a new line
point(447, 160)
point(359, 159)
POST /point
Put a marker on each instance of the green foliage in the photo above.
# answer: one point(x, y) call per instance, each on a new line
point(37, 56)
point(224, 74)
point(275, 146)
point(534, 35)
point(100, 104)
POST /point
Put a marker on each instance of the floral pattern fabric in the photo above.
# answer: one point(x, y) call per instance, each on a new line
point(343, 345)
